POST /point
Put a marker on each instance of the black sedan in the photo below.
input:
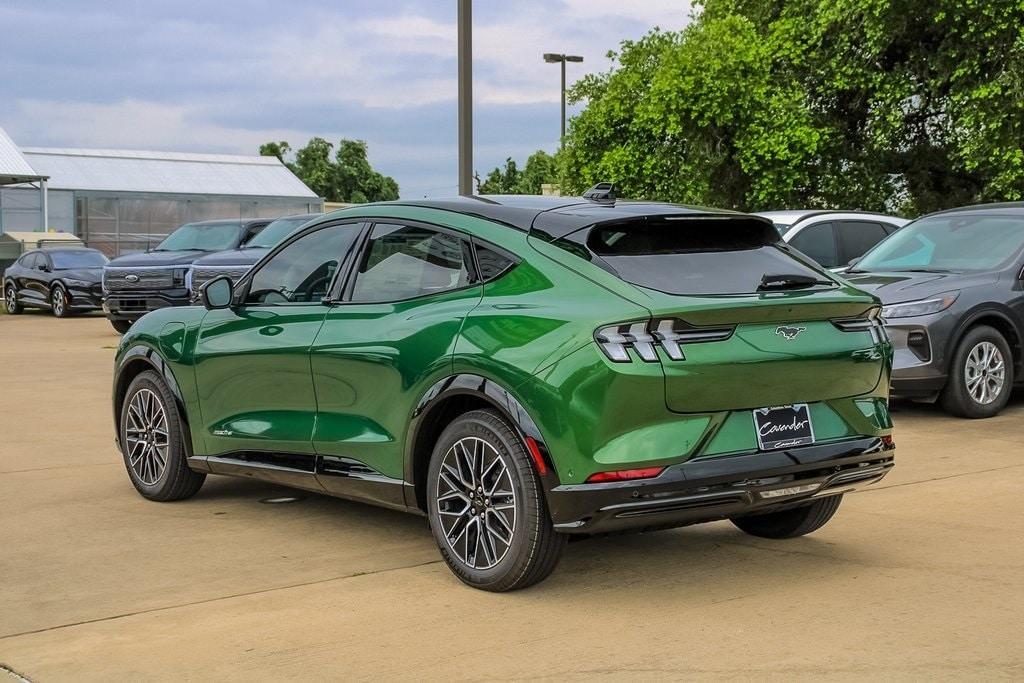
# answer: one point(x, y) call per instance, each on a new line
point(952, 289)
point(61, 280)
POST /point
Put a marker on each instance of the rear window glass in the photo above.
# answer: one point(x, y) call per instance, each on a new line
point(695, 256)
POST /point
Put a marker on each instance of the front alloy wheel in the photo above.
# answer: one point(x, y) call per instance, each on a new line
point(980, 374)
point(59, 302)
point(11, 300)
point(153, 442)
point(486, 506)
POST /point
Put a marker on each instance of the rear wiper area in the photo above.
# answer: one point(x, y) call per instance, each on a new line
point(772, 282)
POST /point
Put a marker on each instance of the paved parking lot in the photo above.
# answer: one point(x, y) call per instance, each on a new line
point(922, 576)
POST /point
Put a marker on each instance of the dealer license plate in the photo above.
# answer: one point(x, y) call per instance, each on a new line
point(783, 427)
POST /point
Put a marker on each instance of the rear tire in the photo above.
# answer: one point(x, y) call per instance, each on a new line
point(486, 506)
point(790, 523)
point(121, 326)
point(981, 363)
point(59, 302)
point(152, 440)
point(11, 304)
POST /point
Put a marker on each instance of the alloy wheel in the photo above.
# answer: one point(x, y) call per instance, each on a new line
point(58, 302)
point(985, 372)
point(11, 299)
point(146, 436)
point(476, 503)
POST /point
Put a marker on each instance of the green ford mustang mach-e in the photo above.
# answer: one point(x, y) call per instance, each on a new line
point(520, 370)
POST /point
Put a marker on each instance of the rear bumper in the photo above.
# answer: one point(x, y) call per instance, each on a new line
point(707, 489)
point(134, 305)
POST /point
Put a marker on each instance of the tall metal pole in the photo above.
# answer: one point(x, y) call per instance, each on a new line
point(465, 39)
point(562, 139)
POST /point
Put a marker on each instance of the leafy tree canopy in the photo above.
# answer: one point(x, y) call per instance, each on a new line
point(345, 176)
point(899, 105)
point(540, 168)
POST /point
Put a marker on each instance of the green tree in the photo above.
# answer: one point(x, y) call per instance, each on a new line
point(876, 104)
point(347, 176)
point(540, 168)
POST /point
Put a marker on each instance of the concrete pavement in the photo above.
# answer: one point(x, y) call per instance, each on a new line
point(922, 576)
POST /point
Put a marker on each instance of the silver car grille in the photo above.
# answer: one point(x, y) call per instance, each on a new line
point(127, 279)
point(201, 275)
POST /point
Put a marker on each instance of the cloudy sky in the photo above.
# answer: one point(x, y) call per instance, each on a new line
point(223, 76)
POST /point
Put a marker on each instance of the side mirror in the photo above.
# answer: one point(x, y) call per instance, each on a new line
point(218, 293)
point(43, 267)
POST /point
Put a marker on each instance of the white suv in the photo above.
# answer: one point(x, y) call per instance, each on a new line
point(833, 238)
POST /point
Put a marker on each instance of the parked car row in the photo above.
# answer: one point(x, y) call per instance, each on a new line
point(951, 284)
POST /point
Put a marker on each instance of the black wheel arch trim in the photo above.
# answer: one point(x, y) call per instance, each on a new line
point(971, 318)
point(152, 358)
point(493, 393)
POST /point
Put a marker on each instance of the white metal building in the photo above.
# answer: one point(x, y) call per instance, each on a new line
point(119, 200)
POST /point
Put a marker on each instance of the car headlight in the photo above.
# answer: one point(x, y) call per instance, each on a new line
point(85, 284)
point(912, 309)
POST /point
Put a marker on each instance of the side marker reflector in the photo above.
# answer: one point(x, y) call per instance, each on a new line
point(538, 459)
point(625, 475)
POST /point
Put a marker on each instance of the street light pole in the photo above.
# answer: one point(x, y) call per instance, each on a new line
point(553, 58)
point(465, 40)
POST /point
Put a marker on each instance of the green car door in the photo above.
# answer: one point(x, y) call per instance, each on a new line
point(252, 360)
point(389, 339)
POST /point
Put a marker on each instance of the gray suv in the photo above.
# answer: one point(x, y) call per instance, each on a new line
point(952, 289)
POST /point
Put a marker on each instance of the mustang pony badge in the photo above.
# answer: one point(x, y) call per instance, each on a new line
point(788, 332)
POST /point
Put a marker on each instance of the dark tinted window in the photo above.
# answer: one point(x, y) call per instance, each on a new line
point(78, 259)
point(818, 242)
point(27, 261)
point(695, 256)
point(302, 272)
point(859, 236)
point(404, 262)
point(492, 264)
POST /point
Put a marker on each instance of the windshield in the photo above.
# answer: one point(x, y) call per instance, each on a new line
point(86, 258)
point(277, 231)
point(196, 236)
point(951, 242)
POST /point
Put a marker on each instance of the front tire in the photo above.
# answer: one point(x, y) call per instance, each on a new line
point(11, 301)
point(486, 506)
point(980, 375)
point(152, 441)
point(121, 326)
point(798, 521)
point(59, 302)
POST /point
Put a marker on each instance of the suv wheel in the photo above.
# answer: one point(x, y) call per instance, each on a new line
point(11, 301)
point(152, 443)
point(980, 376)
point(797, 521)
point(59, 301)
point(121, 326)
point(486, 506)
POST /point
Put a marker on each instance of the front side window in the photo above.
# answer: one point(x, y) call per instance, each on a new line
point(302, 272)
point(951, 242)
point(197, 237)
point(405, 262)
point(818, 242)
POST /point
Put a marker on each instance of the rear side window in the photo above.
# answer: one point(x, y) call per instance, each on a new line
point(695, 256)
point(859, 236)
point(406, 261)
point(492, 264)
point(819, 242)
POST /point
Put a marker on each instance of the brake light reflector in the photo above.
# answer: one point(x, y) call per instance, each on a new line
point(625, 475)
point(538, 458)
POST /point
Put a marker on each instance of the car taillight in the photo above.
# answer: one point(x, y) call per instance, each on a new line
point(872, 323)
point(644, 336)
point(625, 475)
